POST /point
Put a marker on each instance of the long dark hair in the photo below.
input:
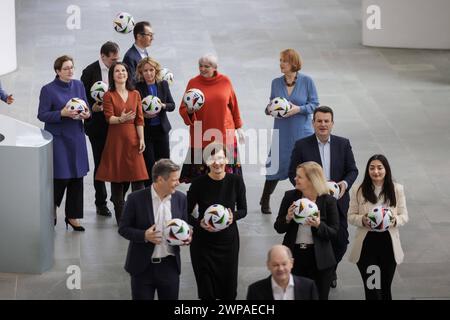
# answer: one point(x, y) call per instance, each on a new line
point(388, 191)
point(112, 84)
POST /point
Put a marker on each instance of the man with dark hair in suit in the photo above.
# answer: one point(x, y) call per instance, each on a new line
point(335, 156)
point(96, 128)
point(143, 37)
point(153, 264)
point(282, 285)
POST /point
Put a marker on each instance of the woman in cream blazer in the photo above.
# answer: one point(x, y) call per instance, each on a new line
point(370, 248)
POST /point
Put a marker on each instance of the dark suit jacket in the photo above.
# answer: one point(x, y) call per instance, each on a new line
point(137, 217)
point(165, 96)
point(342, 166)
point(132, 58)
point(304, 289)
point(96, 126)
point(327, 231)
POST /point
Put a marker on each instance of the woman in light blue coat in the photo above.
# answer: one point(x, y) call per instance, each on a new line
point(300, 91)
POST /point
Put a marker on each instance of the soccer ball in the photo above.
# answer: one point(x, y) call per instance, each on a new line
point(304, 208)
point(151, 105)
point(194, 99)
point(380, 218)
point(279, 107)
point(167, 75)
point(217, 216)
point(177, 232)
point(77, 104)
point(334, 189)
point(98, 90)
point(124, 22)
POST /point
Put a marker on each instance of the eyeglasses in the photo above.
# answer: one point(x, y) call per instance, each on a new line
point(148, 34)
point(68, 68)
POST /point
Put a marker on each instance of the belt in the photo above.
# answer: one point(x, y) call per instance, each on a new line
point(305, 245)
point(159, 260)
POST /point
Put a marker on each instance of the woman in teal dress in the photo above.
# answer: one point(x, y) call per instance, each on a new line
point(300, 91)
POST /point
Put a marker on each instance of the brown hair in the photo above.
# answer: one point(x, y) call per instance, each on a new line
point(293, 57)
point(112, 85)
point(57, 65)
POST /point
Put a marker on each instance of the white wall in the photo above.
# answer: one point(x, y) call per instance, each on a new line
point(421, 24)
point(8, 58)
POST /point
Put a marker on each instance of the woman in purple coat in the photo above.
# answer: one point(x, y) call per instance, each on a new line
point(70, 160)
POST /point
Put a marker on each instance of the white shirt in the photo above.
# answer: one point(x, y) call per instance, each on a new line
point(162, 213)
point(105, 70)
point(304, 234)
point(142, 52)
point(325, 157)
point(279, 293)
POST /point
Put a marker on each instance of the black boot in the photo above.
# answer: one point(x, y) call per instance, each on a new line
point(269, 187)
point(118, 212)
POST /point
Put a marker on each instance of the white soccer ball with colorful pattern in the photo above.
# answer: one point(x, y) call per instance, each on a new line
point(124, 22)
point(217, 216)
point(177, 232)
point(78, 105)
point(151, 105)
point(305, 208)
point(98, 90)
point(279, 107)
point(380, 218)
point(334, 189)
point(167, 75)
point(194, 99)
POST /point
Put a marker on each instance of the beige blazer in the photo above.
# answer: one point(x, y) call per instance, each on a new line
point(359, 207)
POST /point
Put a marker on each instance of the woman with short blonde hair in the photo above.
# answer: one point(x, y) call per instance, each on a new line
point(157, 126)
point(310, 242)
point(140, 69)
point(314, 173)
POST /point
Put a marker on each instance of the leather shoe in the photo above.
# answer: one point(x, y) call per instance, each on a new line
point(333, 283)
point(104, 211)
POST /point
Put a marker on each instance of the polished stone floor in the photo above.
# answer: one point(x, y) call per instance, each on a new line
point(390, 101)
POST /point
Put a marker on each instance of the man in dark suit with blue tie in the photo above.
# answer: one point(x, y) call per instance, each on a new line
point(282, 284)
point(152, 263)
point(335, 156)
point(143, 37)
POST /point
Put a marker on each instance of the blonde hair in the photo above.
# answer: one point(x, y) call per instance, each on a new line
point(155, 64)
point(293, 57)
point(314, 173)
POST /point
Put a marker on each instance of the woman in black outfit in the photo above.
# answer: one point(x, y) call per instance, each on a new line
point(157, 127)
point(215, 255)
point(310, 243)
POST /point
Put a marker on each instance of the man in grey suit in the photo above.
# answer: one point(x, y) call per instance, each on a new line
point(153, 264)
point(282, 285)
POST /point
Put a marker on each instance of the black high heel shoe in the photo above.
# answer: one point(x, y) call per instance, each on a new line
point(75, 228)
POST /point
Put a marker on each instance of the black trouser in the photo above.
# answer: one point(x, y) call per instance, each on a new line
point(305, 265)
point(74, 196)
point(156, 147)
point(340, 245)
point(377, 251)
point(118, 194)
point(98, 144)
point(161, 277)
